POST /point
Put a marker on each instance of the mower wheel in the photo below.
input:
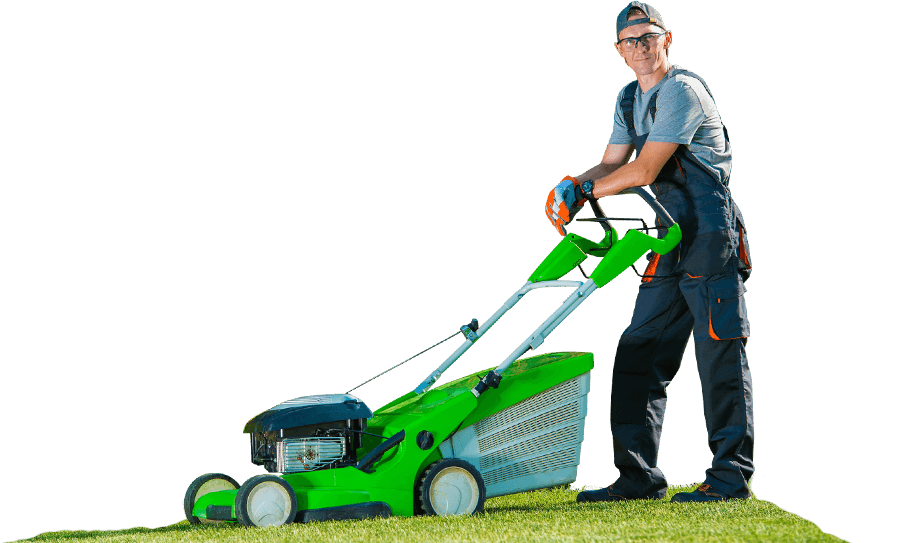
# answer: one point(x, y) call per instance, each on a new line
point(451, 487)
point(210, 482)
point(265, 500)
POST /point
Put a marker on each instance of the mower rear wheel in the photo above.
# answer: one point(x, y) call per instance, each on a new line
point(452, 487)
point(265, 500)
point(210, 482)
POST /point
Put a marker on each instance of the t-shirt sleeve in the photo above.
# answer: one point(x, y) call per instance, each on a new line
point(620, 134)
point(679, 114)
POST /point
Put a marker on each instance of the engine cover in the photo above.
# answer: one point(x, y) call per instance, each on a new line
point(309, 410)
point(308, 433)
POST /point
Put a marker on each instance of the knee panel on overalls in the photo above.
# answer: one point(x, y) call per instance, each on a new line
point(650, 350)
point(631, 379)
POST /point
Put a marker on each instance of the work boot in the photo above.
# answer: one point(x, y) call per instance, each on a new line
point(704, 493)
point(600, 495)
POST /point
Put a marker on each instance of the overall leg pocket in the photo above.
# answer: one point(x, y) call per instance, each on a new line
point(727, 309)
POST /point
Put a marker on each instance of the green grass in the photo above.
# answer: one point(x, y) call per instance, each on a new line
point(547, 515)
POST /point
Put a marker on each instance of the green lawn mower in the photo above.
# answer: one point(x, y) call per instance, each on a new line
point(442, 450)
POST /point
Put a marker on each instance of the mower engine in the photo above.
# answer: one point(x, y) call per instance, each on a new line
point(308, 433)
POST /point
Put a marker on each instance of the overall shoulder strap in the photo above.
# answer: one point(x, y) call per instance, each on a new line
point(696, 76)
point(651, 105)
point(627, 103)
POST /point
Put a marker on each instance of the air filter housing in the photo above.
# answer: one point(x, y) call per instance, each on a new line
point(309, 454)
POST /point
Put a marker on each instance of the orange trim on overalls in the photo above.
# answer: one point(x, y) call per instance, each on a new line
point(711, 331)
point(743, 250)
point(679, 167)
point(652, 266)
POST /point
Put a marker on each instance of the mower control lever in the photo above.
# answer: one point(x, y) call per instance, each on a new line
point(663, 216)
point(599, 213)
point(365, 463)
point(588, 186)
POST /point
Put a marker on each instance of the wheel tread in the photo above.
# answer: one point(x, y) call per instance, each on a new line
point(241, 498)
point(427, 509)
point(423, 492)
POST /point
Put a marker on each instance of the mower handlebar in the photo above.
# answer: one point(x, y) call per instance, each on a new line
point(663, 215)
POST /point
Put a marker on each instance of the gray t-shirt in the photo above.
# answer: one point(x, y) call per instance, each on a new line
point(685, 114)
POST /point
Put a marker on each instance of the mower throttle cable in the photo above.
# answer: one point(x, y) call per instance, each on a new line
point(350, 430)
point(471, 326)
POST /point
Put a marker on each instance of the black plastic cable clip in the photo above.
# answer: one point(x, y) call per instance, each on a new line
point(491, 380)
point(470, 330)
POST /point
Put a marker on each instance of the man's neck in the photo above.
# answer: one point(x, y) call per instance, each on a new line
point(648, 81)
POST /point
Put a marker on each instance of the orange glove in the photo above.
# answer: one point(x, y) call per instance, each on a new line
point(564, 202)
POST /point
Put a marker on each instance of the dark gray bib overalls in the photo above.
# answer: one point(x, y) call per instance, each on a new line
point(696, 291)
point(714, 238)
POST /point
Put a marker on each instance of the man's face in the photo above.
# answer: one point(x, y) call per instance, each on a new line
point(644, 60)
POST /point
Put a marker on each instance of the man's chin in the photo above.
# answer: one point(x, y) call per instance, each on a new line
point(644, 68)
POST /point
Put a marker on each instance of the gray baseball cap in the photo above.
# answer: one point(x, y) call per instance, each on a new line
point(653, 16)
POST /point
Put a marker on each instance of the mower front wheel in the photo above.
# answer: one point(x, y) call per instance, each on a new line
point(451, 487)
point(210, 482)
point(265, 500)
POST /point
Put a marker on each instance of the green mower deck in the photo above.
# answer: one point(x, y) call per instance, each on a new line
point(440, 411)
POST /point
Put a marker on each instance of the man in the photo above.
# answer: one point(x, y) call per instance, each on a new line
point(668, 116)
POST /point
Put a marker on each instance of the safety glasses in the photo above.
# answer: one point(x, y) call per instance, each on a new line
point(649, 40)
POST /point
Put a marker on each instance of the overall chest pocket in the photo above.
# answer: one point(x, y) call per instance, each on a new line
point(727, 309)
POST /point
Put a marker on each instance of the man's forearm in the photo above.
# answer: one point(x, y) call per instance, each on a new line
point(598, 172)
point(638, 173)
point(621, 178)
point(615, 173)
